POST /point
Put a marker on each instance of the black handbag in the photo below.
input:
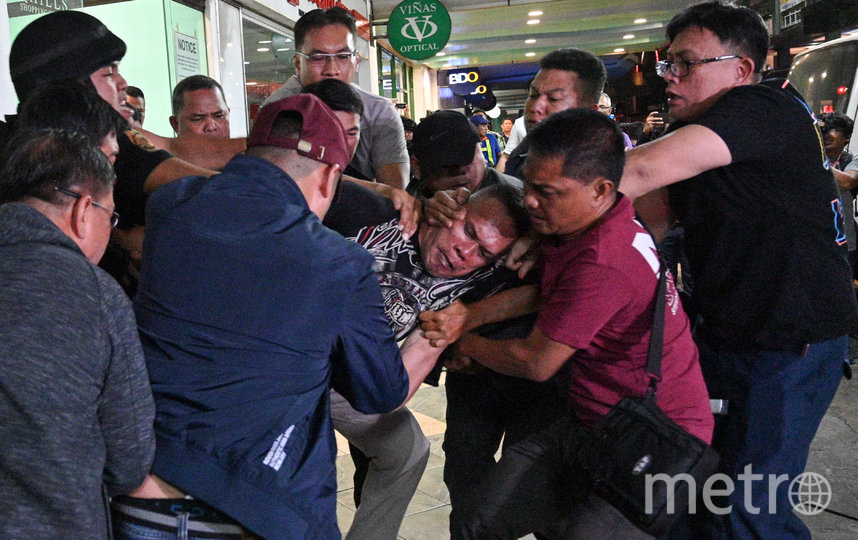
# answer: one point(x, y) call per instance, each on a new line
point(636, 441)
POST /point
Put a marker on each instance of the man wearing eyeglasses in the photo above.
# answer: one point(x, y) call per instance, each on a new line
point(75, 402)
point(763, 230)
point(325, 41)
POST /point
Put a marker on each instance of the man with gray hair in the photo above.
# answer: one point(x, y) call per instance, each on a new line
point(74, 397)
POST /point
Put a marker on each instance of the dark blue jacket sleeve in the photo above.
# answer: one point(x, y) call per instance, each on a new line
point(367, 366)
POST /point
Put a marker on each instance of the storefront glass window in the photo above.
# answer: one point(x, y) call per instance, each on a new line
point(268, 60)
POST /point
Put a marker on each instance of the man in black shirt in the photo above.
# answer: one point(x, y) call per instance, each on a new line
point(763, 226)
point(72, 45)
point(447, 148)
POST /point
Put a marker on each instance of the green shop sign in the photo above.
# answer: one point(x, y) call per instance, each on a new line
point(419, 29)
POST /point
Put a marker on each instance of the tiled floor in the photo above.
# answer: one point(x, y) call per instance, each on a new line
point(834, 454)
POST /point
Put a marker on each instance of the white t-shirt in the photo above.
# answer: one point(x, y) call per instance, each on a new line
point(515, 136)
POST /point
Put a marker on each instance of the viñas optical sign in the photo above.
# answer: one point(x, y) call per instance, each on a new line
point(419, 29)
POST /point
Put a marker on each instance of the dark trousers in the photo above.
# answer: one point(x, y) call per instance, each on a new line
point(776, 403)
point(539, 486)
point(482, 409)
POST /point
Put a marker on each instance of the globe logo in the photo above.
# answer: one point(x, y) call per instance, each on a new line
point(809, 493)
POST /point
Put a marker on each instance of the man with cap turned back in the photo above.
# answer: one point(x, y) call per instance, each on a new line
point(249, 311)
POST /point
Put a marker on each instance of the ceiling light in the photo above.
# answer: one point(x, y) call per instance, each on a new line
point(533, 21)
point(264, 41)
point(263, 49)
point(629, 36)
point(251, 83)
point(442, 53)
point(244, 63)
point(640, 21)
point(281, 50)
point(530, 54)
point(536, 13)
point(529, 41)
point(619, 49)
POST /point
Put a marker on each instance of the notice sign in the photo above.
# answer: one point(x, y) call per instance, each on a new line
point(419, 29)
point(187, 50)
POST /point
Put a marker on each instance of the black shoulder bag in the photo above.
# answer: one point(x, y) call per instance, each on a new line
point(636, 441)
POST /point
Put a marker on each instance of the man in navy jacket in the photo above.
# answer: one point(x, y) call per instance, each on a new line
point(250, 310)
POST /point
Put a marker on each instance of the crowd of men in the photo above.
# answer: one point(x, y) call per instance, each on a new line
point(285, 285)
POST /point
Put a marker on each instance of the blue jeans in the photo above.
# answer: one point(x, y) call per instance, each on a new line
point(776, 403)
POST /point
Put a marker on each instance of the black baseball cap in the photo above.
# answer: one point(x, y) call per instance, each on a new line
point(443, 139)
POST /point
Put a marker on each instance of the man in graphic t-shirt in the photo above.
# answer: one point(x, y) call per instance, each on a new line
point(427, 270)
point(438, 264)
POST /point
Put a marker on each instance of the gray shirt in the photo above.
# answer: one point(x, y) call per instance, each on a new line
point(382, 139)
point(75, 402)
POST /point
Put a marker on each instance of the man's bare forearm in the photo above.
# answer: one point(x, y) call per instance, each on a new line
point(173, 169)
point(393, 174)
point(419, 357)
point(846, 180)
point(504, 305)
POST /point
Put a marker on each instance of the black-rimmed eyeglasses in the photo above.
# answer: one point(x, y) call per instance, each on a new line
point(680, 68)
point(114, 216)
point(322, 58)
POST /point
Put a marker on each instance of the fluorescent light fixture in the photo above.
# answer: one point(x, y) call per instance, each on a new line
point(640, 21)
point(535, 13)
point(281, 50)
point(264, 41)
point(263, 49)
point(529, 41)
point(629, 36)
point(530, 54)
point(619, 49)
point(533, 21)
point(251, 83)
point(442, 53)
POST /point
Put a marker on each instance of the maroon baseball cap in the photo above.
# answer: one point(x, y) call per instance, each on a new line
point(322, 135)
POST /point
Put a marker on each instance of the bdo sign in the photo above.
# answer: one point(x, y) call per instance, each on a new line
point(463, 81)
point(419, 29)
